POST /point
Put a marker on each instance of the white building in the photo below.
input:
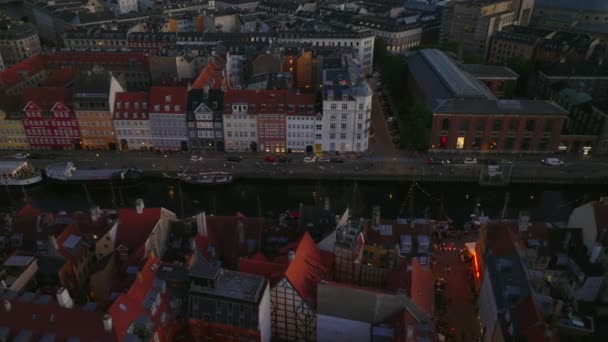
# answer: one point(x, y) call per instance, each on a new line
point(362, 43)
point(240, 129)
point(234, 71)
point(131, 121)
point(344, 125)
point(300, 132)
point(123, 6)
point(168, 117)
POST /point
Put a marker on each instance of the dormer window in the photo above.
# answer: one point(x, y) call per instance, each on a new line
point(156, 108)
point(118, 105)
point(177, 108)
point(126, 105)
point(136, 104)
point(344, 97)
point(167, 108)
point(144, 105)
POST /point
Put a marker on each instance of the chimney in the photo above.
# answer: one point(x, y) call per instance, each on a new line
point(291, 255)
point(139, 205)
point(523, 222)
point(201, 223)
point(7, 305)
point(64, 299)
point(107, 322)
point(95, 213)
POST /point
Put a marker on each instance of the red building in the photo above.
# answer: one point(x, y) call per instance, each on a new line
point(49, 120)
point(497, 125)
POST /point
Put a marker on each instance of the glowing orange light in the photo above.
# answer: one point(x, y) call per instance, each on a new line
point(476, 264)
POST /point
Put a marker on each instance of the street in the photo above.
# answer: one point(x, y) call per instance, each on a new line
point(366, 166)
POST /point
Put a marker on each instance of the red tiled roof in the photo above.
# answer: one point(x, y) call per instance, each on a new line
point(131, 98)
point(501, 238)
point(98, 58)
point(211, 76)
point(47, 97)
point(14, 75)
point(128, 306)
point(65, 323)
point(28, 210)
point(177, 96)
point(269, 101)
point(422, 289)
point(273, 271)
point(99, 227)
point(307, 269)
point(60, 77)
point(134, 229)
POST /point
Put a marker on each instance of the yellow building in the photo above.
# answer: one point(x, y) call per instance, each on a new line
point(92, 100)
point(12, 133)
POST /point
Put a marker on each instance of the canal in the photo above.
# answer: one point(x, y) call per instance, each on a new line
point(252, 198)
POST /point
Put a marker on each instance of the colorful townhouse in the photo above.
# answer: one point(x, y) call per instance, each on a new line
point(93, 91)
point(49, 119)
point(168, 118)
point(12, 133)
point(204, 119)
point(131, 121)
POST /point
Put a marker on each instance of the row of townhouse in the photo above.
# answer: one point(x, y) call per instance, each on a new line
point(98, 114)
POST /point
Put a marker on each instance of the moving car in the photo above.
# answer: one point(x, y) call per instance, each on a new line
point(270, 159)
point(552, 161)
point(234, 159)
point(196, 159)
point(309, 160)
point(323, 160)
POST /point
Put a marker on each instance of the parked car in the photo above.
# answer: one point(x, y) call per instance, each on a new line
point(324, 160)
point(270, 159)
point(196, 159)
point(308, 160)
point(234, 159)
point(336, 160)
point(552, 161)
point(470, 161)
point(21, 156)
point(506, 161)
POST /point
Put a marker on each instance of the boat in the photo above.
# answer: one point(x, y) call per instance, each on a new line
point(18, 173)
point(203, 178)
point(69, 173)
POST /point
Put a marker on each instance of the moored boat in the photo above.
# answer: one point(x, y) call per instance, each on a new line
point(67, 172)
point(17, 173)
point(205, 178)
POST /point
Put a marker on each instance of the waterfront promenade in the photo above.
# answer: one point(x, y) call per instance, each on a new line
point(522, 170)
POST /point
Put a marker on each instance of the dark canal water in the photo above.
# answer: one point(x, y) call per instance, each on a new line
point(456, 201)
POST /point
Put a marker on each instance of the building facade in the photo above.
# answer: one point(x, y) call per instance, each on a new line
point(497, 125)
point(18, 42)
point(301, 132)
point(95, 39)
point(12, 133)
point(168, 117)
point(204, 120)
point(49, 120)
point(92, 106)
point(28, 73)
point(345, 122)
point(131, 121)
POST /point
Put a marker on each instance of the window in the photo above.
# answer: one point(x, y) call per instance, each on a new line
point(530, 125)
point(464, 125)
point(342, 135)
point(318, 136)
point(460, 143)
point(497, 125)
point(445, 124)
point(525, 144)
point(343, 116)
point(543, 144)
point(332, 136)
point(480, 125)
point(476, 143)
point(549, 125)
point(333, 106)
point(360, 105)
point(319, 127)
point(513, 125)
point(332, 118)
point(344, 106)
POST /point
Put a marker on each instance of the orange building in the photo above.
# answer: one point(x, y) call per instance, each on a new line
point(300, 65)
point(92, 94)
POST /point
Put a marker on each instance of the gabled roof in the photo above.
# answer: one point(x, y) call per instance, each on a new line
point(130, 306)
point(307, 268)
point(21, 72)
point(263, 101)
point(211, 76)
point(47, 97)
point(175, 97)
point(42, 319)
point(120, 109)
point(273, 271)
point(60, 78)
point(134, 229)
